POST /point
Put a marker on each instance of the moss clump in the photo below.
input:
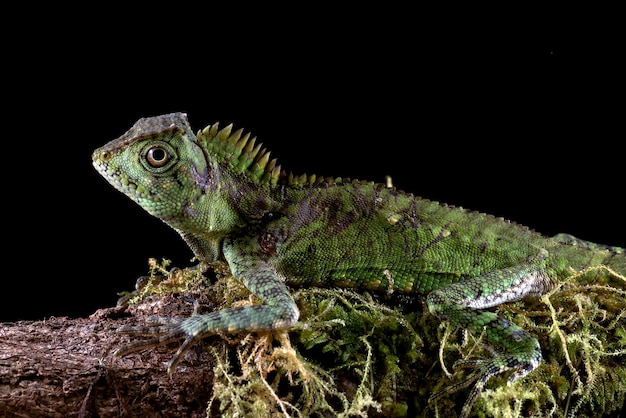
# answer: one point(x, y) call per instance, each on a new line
point(162, 281)
point(353, 354)
point(344, 344)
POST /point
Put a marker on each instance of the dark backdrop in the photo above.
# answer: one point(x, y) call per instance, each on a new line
point(515, 121)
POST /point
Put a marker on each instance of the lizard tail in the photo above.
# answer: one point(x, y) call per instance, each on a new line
point(610, 256)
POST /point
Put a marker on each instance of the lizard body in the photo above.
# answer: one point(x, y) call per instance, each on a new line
point(221, 192)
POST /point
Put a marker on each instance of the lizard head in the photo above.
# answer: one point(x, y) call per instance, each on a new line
point(158, 164)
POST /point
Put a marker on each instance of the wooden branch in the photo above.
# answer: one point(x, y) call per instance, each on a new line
point(63, 367)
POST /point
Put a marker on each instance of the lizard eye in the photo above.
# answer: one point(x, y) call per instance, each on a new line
point(158, 156)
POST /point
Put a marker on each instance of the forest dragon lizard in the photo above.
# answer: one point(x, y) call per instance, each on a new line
point(221, 192)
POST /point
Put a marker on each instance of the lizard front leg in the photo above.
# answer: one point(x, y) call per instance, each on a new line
point(279, 310)
point(461, 304)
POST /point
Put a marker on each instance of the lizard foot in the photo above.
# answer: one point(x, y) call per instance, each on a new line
point(192, 329)
point(167, 329)
point(483, 371)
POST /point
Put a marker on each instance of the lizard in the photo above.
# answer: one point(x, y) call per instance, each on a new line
point(219, 189)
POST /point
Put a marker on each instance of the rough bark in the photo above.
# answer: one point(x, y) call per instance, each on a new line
point(64, 367)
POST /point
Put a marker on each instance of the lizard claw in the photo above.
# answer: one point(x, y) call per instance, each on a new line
point(483, 371)
point(167, 329)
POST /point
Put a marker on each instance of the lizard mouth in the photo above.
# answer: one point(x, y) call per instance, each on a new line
point(114, 177)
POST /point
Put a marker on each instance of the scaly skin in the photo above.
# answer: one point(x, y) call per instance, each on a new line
point(230, 203)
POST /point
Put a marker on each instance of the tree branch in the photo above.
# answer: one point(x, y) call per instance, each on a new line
point(64, 367)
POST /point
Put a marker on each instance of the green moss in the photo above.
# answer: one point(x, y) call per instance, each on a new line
point(354, 354)
point(162, 281)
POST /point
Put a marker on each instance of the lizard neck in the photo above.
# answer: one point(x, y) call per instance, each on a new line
point(218, 205)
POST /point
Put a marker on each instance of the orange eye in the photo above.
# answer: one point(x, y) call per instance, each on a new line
point(157, 156)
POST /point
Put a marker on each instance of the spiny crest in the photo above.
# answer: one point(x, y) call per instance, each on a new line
point(241, 152)
point(314, 180)
point(245, 155)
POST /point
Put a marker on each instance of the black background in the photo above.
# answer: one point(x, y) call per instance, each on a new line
point(517, 119)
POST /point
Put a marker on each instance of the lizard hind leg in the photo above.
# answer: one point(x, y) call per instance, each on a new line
point(461, 304)
point(521, 359)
